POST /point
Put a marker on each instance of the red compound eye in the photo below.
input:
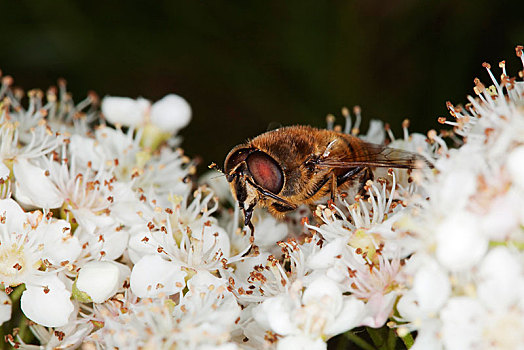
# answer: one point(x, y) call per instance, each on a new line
point(265, 171)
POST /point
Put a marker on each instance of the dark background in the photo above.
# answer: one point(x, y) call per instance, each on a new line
point(243, 65)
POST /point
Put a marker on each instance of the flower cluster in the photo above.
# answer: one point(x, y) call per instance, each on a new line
point(467, 277)
point(107, 241)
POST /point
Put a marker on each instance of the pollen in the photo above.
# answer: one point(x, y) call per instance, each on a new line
point(12, 261)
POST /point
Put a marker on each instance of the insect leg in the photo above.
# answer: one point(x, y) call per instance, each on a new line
point(247, 220)
point(334, 184)
point(318, 186)
point(341, 179)
point(367, 175)
point(248, 213)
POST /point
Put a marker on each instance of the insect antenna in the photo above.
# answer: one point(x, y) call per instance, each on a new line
point(214, 166)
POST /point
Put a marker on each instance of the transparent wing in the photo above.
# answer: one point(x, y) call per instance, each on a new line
point(372, 155)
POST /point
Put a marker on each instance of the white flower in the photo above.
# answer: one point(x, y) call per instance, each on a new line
point(466, 279)
point(155, 175)
point(48, 302)
point(186, 234)
point(496, 317)
point(16, 144)
point(159, 121)
point(169, 114)
point(28, 241)
point(317, 313)
point(87, 194)
point(257, 278)
point(70, 336)
point(165, 175)
point(204, 319)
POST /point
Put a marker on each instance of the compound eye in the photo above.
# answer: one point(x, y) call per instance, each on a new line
point(265, 171)
point(235, 157)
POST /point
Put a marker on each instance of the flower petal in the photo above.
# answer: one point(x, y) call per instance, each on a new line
point(153, 275)
point(100, 280)
point(431, 286)
point(501, 282)
point(171, 113)
point(124, 110)
point(460, 245)
point(295, 342)
point(5, 307)
point(33, 187)
point(460, 323)
point(350, 316)
point(59, 244)
point(275, 313)
point(47, 304)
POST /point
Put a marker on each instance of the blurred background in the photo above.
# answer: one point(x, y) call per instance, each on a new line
point(245, 65)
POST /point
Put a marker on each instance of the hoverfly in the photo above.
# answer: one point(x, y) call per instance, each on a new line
point(287, 167)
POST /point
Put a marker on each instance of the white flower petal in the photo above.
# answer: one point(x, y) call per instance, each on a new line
point(431, 286)
point(4, 171)
point(90, 221)
point(376, 133)
point(85, 149)
point(455, 188)
point(326, 256)
point(202, 281)
point(350, 316)
point(379, 308)
point(408, 307)
point(33, 187)
point(460, 243)
point(275, 313)
point(48, 304)
point(460, 324)
point(99, 279)
point(5, 307)
point(139, 245)
point(268, 231)
point(515, 164)
point(213, 236)
point(59, 244)
point(502, 217)
point(501, 278)
point(325, 291)
point(153, 275)
point(296, 342)
point(126, 205)
point(15, 217)
point(428, 337)
point(171, 113)
point(115, 244)
point(124, 110)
